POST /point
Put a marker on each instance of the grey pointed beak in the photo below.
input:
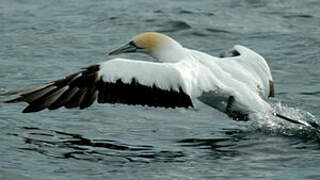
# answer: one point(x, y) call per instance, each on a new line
point(128, 48)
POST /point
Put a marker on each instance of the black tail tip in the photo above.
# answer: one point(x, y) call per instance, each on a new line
point(289, 119)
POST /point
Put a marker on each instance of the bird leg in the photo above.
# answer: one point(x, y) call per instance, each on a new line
point(236, 115)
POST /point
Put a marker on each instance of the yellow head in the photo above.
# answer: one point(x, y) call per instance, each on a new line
point(151, 41)
point(155, 44)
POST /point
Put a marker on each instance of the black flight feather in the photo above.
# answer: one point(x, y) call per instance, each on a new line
point(83, 88)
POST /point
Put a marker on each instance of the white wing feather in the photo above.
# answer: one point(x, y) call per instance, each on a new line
point(165, 76)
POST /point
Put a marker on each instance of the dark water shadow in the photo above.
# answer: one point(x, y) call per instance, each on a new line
point(64, 145)
point(293, 16)
point(76, 141)
point(232, 144)
point(217, 30)
point(219, 147)
point(173, 26)
point(310, 93)
point(229, 143)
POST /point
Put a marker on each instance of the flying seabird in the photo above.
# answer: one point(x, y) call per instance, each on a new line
point(236, 85)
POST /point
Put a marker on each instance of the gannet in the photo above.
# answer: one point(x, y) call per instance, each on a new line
point(236, 85)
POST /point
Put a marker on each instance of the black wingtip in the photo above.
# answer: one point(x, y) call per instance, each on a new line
point(33, 108)
point(26, 111)
point(15, 100)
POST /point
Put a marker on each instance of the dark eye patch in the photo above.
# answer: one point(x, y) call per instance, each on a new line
point(131, 43)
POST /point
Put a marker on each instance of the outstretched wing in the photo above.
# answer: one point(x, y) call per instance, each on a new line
point(254, 65)
point(116, 81)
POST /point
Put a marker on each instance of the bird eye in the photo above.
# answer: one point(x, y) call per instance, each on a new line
point(131, 43)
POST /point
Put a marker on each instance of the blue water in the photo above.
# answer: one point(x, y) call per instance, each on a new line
point(41, 41)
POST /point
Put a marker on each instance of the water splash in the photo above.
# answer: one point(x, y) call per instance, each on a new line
point(267, 122)
point(2, 91)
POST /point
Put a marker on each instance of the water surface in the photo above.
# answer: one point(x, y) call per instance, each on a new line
point(45, 40)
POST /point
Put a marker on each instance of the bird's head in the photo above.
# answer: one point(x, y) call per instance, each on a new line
point(158, 45)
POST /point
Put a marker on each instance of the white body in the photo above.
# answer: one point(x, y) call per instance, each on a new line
point(210, 79)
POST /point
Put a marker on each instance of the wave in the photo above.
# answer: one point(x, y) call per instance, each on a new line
point(174, 26)
point(66, 145)
point(269, 123)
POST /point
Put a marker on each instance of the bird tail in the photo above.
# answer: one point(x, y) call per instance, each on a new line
point(306, 124)
point(290, 119)
point(314, 125)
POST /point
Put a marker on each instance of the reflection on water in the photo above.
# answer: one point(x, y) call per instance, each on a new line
point(60, 144)
point(64, 145)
